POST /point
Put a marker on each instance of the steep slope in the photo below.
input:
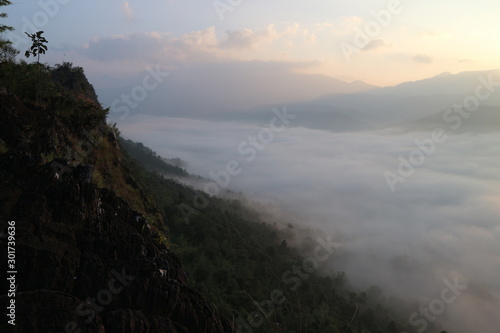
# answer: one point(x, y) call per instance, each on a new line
point(74, 240)
point(88, 255)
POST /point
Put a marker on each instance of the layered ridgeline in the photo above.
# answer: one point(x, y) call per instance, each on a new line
point(103, 243)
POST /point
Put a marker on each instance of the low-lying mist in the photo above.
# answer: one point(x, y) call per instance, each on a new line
point(412, 212)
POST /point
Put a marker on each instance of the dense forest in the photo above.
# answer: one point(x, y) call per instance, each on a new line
point(248, 270)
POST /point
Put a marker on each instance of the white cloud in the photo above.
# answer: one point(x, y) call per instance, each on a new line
point(129, 14)
point(204, 45)
point(351, 23)
point(375, 44)
point(249, 39)
point(423, 58)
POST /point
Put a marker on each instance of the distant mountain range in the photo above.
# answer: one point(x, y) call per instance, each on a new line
point(202, 91)
point(485, 119)
point(417, 103)
point(249, 93)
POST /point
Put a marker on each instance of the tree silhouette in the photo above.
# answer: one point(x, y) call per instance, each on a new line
point(7, 52)
point(3, 27)
point(38, 46)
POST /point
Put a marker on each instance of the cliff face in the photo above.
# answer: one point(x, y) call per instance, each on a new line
point(86, 260)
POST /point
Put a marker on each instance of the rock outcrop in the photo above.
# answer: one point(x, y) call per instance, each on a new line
point(87, 261)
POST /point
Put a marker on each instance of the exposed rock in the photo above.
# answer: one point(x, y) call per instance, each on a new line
point(83, 172)
point(86, 260)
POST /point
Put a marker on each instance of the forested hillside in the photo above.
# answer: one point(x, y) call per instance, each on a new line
point(248, 270)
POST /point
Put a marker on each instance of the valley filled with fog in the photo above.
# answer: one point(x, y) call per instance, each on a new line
point(412, 199)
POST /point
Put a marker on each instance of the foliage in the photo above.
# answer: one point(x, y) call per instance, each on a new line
point(149, 159)
point(32, 111)
point(38, 47)
point(24, 80)
point(4, 27)
point(73, 79)
point(7, 52)
point(3, 147)
point(5, 45)
point(65, 91)
point(235, 260)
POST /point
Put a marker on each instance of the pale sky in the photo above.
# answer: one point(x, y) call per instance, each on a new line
point(418, 39)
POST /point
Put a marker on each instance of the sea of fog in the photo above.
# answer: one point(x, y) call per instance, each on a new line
point(412, 212)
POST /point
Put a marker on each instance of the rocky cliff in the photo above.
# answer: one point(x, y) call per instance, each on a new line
point(87, 257)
